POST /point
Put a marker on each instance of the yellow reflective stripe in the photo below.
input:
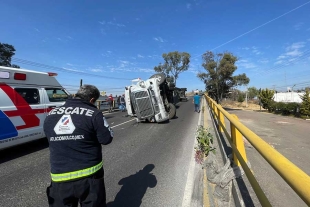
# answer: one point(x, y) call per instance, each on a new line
point(76, 174)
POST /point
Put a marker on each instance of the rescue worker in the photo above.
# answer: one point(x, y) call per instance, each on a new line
point(75, 132)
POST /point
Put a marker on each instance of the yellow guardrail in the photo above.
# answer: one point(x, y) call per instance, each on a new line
point(293, 176)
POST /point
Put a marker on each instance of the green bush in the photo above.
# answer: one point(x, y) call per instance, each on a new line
point(285, 108)
point(266, 99)
point(240, 98)
point(305, 105)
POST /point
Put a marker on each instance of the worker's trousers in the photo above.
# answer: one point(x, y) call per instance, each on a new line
point(89, 192)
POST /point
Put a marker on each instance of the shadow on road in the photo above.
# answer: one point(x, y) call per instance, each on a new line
point(134, 187)
point(23, 149)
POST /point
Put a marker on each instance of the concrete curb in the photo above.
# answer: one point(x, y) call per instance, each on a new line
point(235, 191)
point(208, 188)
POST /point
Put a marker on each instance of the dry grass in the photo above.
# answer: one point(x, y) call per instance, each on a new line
point(251, 105)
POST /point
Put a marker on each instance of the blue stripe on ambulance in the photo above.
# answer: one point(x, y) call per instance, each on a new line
point(7, 128)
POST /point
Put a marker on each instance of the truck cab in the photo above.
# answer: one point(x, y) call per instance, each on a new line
point(150, 100)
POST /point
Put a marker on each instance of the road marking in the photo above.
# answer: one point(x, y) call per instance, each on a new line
point(187, 198)
point(123, 123)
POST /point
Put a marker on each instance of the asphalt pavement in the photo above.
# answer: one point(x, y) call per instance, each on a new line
point(290, 137)
point(147, 164)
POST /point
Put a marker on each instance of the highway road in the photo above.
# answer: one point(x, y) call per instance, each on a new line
point(289, 136)
point(147, 164)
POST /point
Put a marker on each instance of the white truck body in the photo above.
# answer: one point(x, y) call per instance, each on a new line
point(143, 100)
point(26, 97)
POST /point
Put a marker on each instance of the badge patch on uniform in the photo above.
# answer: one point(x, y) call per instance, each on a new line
point(64, 125)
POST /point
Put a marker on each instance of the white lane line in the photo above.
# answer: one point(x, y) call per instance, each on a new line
point(123, 123)
point(187, 198)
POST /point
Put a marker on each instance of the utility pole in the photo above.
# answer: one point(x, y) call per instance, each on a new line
point(246, 97)
point(292, 99)
point(81, 82)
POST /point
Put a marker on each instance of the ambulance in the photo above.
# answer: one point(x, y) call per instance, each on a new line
point(26, 97)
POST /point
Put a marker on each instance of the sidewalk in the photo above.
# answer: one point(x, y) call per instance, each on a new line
point(209, 198)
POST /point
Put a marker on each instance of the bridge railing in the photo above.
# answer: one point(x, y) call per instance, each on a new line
point(298, 180)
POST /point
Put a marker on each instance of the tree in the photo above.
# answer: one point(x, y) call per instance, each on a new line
point(175, 63)
point(253, 92)
point(6, 53)
point(305, 105)
point(266, 98)
point(219, 79)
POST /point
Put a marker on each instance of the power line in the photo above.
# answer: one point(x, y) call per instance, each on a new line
point(31, 63)
point(258, 27)
point(287, 63)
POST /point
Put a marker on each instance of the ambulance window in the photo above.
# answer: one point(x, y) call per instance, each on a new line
point(30, 95)
point(56, 94)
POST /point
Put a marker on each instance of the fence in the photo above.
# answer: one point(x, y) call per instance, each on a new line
point(298, 180)
point(104, 105)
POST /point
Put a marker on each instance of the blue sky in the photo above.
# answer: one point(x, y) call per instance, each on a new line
point(125, 39)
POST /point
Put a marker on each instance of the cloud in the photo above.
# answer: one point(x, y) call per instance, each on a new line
point(109, 51)
point(113, 23)
point(59, 38)
point(146, 70)
point(140, 56)
point(296, 45)
point(292, 51)
point(298, 25)
point(70, 69)
point(245, 48)
point(124, 62)
point(116, 24)
point(188, 6)
point(159, 39)
point(96, 70)
point(256, 51)
point(69, 37)
point(278, 62)
point(137, 19)
point(246, 64)
point(263, 61)
point(37, 30)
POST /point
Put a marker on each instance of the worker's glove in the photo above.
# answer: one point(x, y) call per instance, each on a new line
point(106, 124)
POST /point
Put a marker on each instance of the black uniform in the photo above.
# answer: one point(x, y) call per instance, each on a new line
point(75, 132)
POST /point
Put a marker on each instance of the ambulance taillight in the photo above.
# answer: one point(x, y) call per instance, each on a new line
point(19, 76)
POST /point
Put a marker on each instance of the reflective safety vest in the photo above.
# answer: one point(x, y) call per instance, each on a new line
point(76, 174)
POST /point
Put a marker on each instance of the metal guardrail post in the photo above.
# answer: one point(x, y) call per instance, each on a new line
point(220, 120)
point(238, 142)
point(215, 111)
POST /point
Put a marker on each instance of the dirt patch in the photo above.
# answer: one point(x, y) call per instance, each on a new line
point(251, 105)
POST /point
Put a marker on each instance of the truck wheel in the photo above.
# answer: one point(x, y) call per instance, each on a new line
point(172, 112)
point(160, 76)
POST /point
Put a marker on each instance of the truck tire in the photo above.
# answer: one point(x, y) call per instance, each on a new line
point(173, 111)
point(160, 76)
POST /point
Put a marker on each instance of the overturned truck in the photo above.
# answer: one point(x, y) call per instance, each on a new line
point(151, 100)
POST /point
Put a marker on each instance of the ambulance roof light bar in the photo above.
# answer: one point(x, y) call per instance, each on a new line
point(52, 74)
point(19, 76)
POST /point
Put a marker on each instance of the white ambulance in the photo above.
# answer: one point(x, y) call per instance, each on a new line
point(26, 97)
